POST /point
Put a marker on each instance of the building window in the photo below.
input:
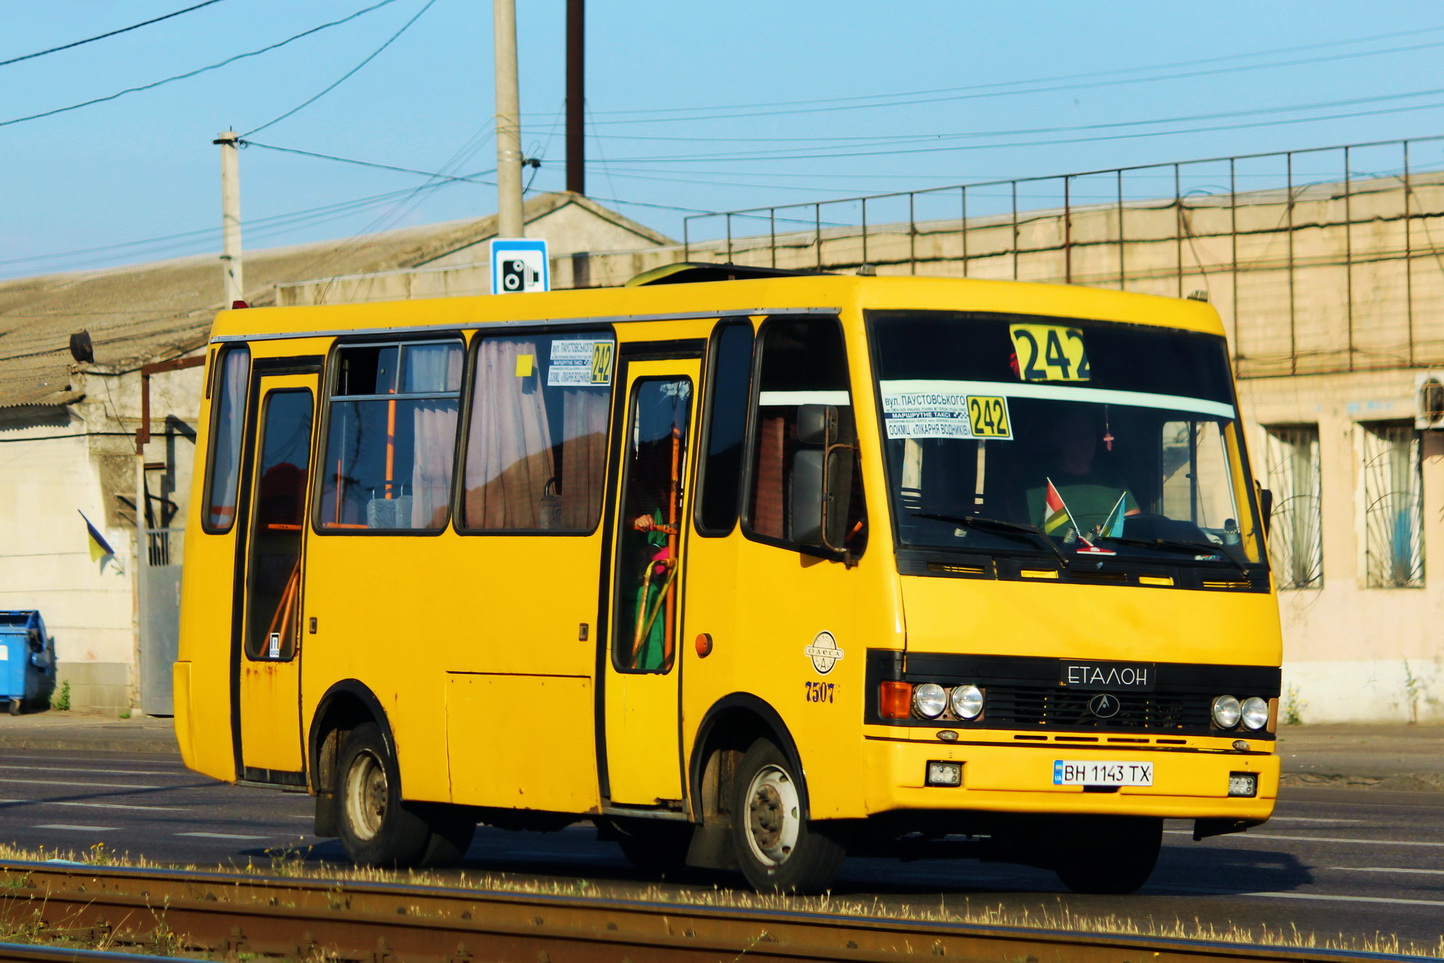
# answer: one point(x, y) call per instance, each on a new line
point(1296, 543)
point(1393, 507)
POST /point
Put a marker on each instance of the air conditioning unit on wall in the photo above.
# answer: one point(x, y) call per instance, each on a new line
point(1429, 401)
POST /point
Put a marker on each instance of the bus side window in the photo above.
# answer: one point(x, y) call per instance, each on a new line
point(536, 447)
point(729, 378)
point(802, 362)
point(391, 439)
point(228, 427)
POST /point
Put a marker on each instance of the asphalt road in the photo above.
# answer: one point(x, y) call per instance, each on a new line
point(1333, 862)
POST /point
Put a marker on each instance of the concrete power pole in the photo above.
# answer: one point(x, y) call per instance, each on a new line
point(508, 121)
point(233, 288)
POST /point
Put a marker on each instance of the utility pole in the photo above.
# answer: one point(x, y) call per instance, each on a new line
point(576, 96)
point(233, 289)
point(508, 121)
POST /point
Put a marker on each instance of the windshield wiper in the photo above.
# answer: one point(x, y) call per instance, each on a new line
point(1215, 549)
point(1016, 529)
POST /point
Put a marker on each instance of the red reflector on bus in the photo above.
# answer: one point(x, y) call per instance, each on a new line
point(895, 700)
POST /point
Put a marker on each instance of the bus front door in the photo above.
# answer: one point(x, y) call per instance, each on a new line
point(266, 673)
point(642, 739)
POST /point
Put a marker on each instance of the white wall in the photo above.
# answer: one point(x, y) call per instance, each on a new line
point(1354, 652)
point(47, 475)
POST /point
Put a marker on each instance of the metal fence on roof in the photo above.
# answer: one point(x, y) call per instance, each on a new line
point(1321, 259)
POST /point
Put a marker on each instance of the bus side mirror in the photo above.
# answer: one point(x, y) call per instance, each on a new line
point(1265, 506)
point(817, 425)
point(821, 479)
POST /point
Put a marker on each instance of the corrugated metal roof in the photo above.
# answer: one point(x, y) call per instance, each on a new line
point(148, 312)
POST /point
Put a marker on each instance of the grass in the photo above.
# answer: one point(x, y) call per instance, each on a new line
point(290, 862)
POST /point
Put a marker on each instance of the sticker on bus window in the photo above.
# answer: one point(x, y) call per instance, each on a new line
point(942, 409)
point(1049, 352)
point(580, 363)
point(988, 415)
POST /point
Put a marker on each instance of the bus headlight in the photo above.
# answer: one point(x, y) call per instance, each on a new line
point(967, 701)
point(1255, 712)
point(1226, 711)
point(930, 700)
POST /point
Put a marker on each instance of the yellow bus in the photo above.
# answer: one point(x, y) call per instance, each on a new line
point(751, 572)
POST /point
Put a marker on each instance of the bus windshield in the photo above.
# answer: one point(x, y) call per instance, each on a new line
point(1025, 434)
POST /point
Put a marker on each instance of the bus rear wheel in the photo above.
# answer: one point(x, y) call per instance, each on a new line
point(778, 850)
point(376, 827)
point(1109, 854)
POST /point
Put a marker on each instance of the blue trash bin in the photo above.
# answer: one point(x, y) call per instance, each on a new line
point(27, 660)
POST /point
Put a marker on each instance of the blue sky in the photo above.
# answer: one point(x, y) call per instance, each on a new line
point(691, 107)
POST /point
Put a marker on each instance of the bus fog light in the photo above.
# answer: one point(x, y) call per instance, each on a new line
point(930, 700)
point(967, 701)
point(1243, 784)
point(1226, 711)
point(945, 774)
point(1255, 712)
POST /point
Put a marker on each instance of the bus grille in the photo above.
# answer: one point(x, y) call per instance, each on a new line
point(1026, 707)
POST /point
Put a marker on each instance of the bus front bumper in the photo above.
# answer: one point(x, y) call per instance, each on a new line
point(1204, 780)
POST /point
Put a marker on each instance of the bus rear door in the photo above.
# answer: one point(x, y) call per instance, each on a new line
point(642, 741)
point(266, 666)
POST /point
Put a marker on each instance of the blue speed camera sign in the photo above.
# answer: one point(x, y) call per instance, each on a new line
point(519, 265)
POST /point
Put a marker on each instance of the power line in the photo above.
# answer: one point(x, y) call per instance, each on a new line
point(277, 224)
point(842, 153)
point(1075, 76)
point(112, 33)
point(258, 227)
point(982, 92)
point(913, 138)
point(346, 76)
point(197, 71)
point(472, 178)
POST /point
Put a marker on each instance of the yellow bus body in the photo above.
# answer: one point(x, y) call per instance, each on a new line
point(485, 655)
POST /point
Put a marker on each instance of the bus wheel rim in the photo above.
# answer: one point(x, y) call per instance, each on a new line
point(366, 792)
point(773, 816)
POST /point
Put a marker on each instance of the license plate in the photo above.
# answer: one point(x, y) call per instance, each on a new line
point(1068, 772)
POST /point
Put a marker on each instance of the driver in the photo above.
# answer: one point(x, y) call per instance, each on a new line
point(1087, 499)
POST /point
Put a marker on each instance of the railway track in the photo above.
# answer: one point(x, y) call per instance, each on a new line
point(239, 917)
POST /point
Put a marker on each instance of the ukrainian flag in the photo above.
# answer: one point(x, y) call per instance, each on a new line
point(1113, 526)
point(100, 549)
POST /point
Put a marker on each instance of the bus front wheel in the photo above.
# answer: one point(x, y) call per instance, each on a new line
point(777, 849)
point(376, 828)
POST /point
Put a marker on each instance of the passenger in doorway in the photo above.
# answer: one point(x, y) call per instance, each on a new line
point(1079, 494)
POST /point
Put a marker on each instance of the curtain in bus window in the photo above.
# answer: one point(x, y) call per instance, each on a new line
point(435, 432)
point(229, 429)
point(432, 367)
point(768, 501)
point(584, 456)
point(509, 463)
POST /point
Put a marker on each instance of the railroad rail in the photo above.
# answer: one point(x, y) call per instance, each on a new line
point(239, 915)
